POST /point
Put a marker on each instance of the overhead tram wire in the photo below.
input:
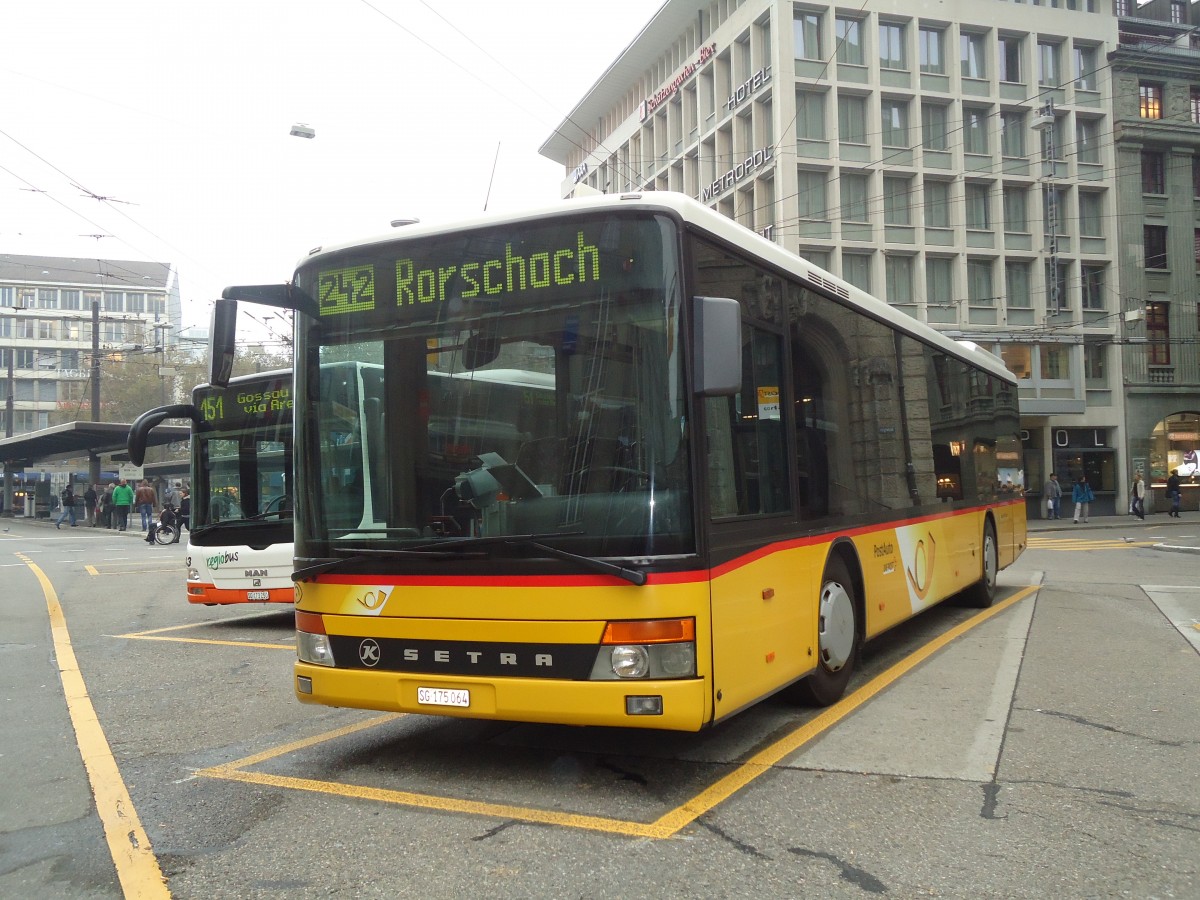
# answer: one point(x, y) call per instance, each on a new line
point(484, 81)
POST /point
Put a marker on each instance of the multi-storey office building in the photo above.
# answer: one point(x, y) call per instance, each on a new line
point(46, 315)
point(1156, 108)
point(955, 160)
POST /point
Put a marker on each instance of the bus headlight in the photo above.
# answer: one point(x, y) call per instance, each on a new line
point(312, 643)
point(630, 662)
point(193, 574)
point(663, 648)
point(314, 648)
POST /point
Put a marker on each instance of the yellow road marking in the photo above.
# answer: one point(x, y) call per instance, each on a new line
point(180, 640)
point(665, 826)
point(153, 634)
point(137, 867)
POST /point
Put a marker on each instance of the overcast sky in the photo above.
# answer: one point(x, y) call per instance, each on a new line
point(180, 110)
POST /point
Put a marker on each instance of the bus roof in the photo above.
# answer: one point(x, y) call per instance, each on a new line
point(696, 215)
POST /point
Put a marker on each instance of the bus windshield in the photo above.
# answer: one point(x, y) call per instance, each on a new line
point(523, 382)
point(243, 453)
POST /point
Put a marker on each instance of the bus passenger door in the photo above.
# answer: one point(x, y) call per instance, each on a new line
point(756, 596)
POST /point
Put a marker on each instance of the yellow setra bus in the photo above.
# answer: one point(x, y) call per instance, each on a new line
point(713, 470)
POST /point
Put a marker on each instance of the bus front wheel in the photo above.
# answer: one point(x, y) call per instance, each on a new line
point(982, 593)
point(837, 638)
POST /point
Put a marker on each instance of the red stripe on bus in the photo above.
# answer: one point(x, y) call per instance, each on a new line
point(655, 578)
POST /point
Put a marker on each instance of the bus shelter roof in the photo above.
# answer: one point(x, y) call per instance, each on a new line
point(74, 439)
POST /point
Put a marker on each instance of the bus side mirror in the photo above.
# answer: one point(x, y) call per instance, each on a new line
point(222, 342)
point(139, 431)
point(717, 358)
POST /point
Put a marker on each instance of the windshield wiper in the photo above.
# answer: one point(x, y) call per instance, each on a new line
point(464, 549)
point(633, 576)
point(359, 554)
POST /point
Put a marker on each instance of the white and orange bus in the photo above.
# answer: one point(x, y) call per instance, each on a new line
point(731, 470)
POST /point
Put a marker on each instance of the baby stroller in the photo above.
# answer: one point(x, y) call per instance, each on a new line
point(166, 529)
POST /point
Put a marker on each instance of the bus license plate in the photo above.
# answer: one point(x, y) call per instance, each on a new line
point(258, 595)
point(428, 696)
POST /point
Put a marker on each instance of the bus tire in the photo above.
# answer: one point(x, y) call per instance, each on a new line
point(982, 593)
point(837, 638)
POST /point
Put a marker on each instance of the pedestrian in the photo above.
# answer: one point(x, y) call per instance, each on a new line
point(185, 513)
point(68, 507)
point(1052, 491)
point(89, 505)
point(122, 504)
point(1083, 497)
point(1137, 496)
point(145, 499)
point(106, 505)
point(1175, 493)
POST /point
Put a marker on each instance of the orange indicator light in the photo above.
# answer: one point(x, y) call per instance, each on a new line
point(650, 631)
point(310, 623)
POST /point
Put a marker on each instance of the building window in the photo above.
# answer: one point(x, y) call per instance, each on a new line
point(1093, 361)
point(849, 37)
point(1010, 59)
point(1018, 359)
point(934, 127)
point(69, 299)
point(1195, 105)
point(1055, 362)
point(1124, 7)
point(1053, 145)
point(1154, 245)
point(1056, 288)
point(975, 138)
point(1048, 69)
point(891, 46)
point(1085, 68)
point(6, 296)
point(1196, 176)
point(939, 281)
point(1153, 173)
point(856, 269)
point(807, 28)
point(898, 272)
point(1091, 279)
point(1017, 280)
point(47, 298)
point(114, 302)
point(937, 204)
point(1091, 214)
point(933, 57)
point(810, 116)
point(854, 197)
point(972, 56)
point(1016, 209)
point(896, 201)
point(1087, 140)
point(1178, 12)
point(1158, 333)
point(977, 207)
point(979, 283)
point(894, 114)
point(852, 119)
point(1012, 134)
point(1054, 209)
point(810, 199)
point(1150, 101)
point(1196, 246)
point(23, 359)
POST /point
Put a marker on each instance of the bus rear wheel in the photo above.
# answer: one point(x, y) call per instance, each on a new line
point(837, 638)
point(982, 593)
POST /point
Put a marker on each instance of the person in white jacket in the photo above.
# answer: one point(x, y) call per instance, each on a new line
point(1137, 496)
